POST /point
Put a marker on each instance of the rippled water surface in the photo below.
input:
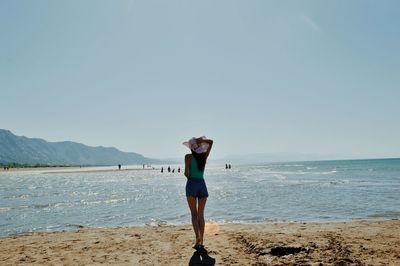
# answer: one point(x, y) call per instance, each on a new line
point(304, 191)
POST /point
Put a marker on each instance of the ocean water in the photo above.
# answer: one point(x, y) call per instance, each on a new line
point(295, 191)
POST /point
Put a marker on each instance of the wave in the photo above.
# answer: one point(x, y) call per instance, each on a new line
point(280, 176)
point(62, 204)
point(390, 214)
point(6, 209)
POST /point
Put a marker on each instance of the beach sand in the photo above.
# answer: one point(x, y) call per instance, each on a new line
point(340, 243)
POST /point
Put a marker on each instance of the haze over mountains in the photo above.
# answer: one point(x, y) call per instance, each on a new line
point(23, 150)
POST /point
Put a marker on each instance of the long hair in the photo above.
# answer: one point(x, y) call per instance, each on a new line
point(201, 160)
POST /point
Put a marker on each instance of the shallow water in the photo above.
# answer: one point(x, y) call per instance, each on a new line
point(300, 191)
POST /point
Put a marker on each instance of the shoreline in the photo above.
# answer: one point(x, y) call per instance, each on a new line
point(39, 168)
point(77, 227)
point(334, 243)
point(74, 169)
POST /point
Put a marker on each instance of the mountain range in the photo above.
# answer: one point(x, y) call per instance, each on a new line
point(31, 151)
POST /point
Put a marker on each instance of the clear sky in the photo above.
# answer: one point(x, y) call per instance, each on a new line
point(256, 76)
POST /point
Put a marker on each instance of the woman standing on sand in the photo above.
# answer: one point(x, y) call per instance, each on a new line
point(196, 189)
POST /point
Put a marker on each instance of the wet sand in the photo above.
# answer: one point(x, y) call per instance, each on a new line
point(341, 243)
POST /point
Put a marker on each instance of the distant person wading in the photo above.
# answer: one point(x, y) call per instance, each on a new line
point(196, 189)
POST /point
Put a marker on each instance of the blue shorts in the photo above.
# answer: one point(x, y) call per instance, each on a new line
point(196, 188)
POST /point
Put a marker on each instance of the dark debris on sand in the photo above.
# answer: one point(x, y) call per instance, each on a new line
point(335, 252)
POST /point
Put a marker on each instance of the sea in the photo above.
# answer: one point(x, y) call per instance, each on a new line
point(320, 191)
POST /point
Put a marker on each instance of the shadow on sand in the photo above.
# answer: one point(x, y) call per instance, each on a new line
point(200, 257)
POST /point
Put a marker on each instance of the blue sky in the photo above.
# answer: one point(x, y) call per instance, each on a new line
point(318, 77)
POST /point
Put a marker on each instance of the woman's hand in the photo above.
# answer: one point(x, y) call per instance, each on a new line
point(198, 141)
point(201, 140)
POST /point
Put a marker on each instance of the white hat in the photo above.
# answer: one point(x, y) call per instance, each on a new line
point(192, 144)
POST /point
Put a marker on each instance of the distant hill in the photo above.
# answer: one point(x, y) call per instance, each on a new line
point(23, 150)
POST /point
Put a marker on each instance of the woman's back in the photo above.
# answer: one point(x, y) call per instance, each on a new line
point(194, 170)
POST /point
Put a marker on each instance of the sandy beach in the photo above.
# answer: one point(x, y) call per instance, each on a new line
point(340, 243)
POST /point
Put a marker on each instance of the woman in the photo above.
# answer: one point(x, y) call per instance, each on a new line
point(196, 189)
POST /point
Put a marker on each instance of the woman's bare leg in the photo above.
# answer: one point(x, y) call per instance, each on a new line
point(192, 201)
point(200, 214)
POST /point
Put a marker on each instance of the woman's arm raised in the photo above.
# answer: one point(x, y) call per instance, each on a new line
point(208, 141)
